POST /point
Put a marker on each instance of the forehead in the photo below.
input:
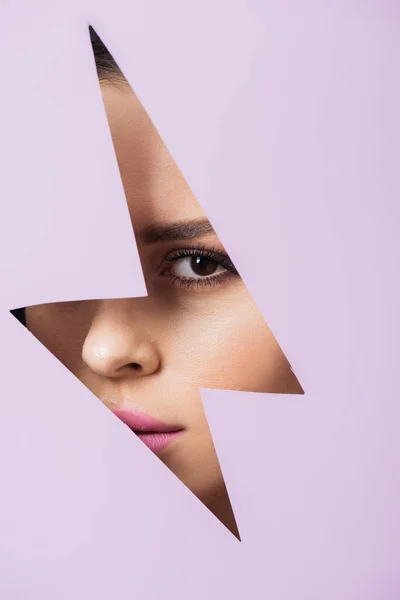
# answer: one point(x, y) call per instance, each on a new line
point(155, 189)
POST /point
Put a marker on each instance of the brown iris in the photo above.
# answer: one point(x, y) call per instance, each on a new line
point(203, 266)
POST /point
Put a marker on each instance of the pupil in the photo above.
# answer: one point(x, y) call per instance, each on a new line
point(203, 266)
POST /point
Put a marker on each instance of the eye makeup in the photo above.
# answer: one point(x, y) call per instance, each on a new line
point(197, 267)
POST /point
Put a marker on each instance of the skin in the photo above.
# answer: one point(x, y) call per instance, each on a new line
point(182, 336)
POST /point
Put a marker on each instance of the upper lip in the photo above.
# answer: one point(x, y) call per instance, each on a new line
point(141, 423)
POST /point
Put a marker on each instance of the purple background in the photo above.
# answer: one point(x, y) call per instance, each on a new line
point(284, 118)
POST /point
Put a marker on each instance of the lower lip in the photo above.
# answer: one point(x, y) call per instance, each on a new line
point(157, 441)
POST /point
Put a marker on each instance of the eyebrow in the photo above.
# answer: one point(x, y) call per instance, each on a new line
point(180, 230)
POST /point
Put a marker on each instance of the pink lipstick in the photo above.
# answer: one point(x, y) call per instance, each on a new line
point(155, 434)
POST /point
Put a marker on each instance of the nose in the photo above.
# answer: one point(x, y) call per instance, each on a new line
point(117, 344)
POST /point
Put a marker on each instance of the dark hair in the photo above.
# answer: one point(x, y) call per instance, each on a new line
point(107, 68)
point(19, 314)
point(107, 71)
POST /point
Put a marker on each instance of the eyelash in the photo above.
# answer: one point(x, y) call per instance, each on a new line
point(219, 258)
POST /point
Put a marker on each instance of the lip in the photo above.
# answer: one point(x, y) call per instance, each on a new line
point(155, 434)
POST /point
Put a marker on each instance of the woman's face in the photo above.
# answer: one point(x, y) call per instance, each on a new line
point(198, 327)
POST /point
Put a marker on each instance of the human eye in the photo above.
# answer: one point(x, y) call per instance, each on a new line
point(197, 267)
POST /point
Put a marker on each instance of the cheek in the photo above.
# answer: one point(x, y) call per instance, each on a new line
point(225, 343)
point(62, 329)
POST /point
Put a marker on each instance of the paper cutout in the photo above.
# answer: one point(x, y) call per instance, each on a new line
point(146, 358)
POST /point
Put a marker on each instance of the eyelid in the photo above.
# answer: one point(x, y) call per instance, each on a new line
point(217, 256)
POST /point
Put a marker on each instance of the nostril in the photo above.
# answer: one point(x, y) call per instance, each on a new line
point(135, 366)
